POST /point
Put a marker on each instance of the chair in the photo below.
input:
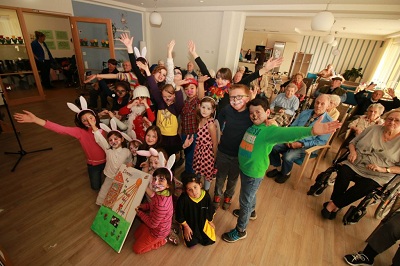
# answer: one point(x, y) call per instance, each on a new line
point(312, 76)
point(311, 154)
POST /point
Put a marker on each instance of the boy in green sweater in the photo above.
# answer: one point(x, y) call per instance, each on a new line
point(254, 149)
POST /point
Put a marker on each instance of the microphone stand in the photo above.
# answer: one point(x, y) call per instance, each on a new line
point(21, 151)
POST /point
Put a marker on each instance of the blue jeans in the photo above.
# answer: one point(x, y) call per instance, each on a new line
point(227, 166)
point(288, 157)
point(189, 152)
point(96, 175)
point(247, 199)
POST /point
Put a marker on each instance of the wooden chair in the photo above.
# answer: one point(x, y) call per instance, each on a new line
point(310, 154)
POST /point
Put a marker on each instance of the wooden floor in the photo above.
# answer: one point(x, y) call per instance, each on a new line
point(47, 208)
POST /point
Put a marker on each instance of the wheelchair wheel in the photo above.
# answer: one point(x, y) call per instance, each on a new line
point(387, 202)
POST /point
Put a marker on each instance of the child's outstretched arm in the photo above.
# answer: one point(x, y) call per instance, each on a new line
point(325, 128)
point(200, 87)
point(170, 64)
point(127, 42)
point(29, 117)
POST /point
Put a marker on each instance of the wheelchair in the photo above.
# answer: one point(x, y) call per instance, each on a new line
point(386, 195)
point(326, 178)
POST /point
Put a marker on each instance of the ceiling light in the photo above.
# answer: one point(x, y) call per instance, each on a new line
point(329, 39)
point(323, 21)
point(155, 17)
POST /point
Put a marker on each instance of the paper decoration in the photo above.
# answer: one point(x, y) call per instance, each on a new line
point(61, 35)
point(63, 45)
point(115, 217)
point(48, 33)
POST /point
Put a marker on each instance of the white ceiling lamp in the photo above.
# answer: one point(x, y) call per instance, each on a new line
point(155, 17)
point(334, 43)
point(329, 39)
point(323, 21)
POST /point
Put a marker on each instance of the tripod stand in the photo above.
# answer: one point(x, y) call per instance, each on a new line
point(21, 151)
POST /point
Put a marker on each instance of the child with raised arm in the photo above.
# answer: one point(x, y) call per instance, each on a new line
point(254, 149)
point(116, 155)
point(195, 213)
point(95, 156)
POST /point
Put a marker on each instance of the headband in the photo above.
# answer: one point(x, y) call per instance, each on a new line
point(161, 158)
point(137, 53)
point(114, 128)
point(84, 106)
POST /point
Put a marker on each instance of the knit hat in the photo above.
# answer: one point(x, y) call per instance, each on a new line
point(141, 91)
point(191, 81)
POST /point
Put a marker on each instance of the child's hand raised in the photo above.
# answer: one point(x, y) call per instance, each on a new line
point(145, 67)
point(203, 79)
point(170, 47)
point(192, 49)
point(124, 38)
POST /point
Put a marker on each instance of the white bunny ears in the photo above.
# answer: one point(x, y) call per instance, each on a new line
point(114, 128)
point(161, 158)
point(137, 53)
point(76, 109)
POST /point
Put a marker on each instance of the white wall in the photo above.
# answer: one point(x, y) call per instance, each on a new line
point(61, 6)
point(203, 28)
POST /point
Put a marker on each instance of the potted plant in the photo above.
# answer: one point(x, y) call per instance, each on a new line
point(353, 74)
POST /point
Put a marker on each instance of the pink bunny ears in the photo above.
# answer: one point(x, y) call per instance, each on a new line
point(161, 158)
point(114, 128)
point(76, 109)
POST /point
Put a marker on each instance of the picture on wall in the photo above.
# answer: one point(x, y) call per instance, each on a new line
point(63, 45)
point(61, 35)
point(51, 45)
point(48, 33)
point(116, 215)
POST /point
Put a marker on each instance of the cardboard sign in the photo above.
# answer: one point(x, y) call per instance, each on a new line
point(115, 217)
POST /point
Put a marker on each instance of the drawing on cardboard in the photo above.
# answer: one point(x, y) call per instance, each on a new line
point(115, 217)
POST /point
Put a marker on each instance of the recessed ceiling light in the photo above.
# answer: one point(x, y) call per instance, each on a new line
point(201, 1)
point(142, 3)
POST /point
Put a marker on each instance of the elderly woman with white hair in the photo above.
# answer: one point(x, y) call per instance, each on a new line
point(331, 110)
point(372, 117)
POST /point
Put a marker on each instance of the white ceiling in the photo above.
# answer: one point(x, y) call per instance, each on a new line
point(361, 17)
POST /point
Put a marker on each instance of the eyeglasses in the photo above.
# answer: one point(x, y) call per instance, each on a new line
point(177, 73)
point(237, 97)
point(120, 91)
point(391, 119)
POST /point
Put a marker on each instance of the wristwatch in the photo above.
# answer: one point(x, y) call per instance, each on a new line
point(387, 170)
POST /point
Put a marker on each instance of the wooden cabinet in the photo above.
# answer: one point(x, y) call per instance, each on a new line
point(300, 63)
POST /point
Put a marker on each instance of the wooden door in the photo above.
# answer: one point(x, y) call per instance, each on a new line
point(90, 54)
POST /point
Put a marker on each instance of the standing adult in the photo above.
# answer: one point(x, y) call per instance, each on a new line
point(189, 70)
point(43, 58)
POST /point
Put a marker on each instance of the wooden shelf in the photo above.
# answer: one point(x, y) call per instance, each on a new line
point(18, 44)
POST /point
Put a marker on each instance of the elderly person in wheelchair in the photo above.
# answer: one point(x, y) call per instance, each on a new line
point(373, 160)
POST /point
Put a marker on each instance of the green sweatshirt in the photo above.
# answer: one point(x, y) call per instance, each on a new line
point(258, 142)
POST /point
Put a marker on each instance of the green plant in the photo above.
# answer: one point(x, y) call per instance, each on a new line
point(353, 74)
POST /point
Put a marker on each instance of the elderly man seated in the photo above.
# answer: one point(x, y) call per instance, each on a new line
point(292, 151)
point(284, 106)
point(334, 88)
point(376, 97)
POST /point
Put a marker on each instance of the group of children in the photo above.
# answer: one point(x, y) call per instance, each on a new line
point(243, 148)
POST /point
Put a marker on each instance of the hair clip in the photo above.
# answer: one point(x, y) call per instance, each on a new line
point(208, 97)
point(114, 128)
point(84, 106)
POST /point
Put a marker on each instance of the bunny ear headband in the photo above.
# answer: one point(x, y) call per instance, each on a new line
point(76, 109)
point(114, 128)
point(137, 53)
point(133, 137)
point(161, 158)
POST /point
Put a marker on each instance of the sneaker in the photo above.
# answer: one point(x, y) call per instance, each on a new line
point(227, 203)
point(358, 259)
point(233, 235)
point(282, 178)
point(216, 202)
point(253, 215)
point(273, 173)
